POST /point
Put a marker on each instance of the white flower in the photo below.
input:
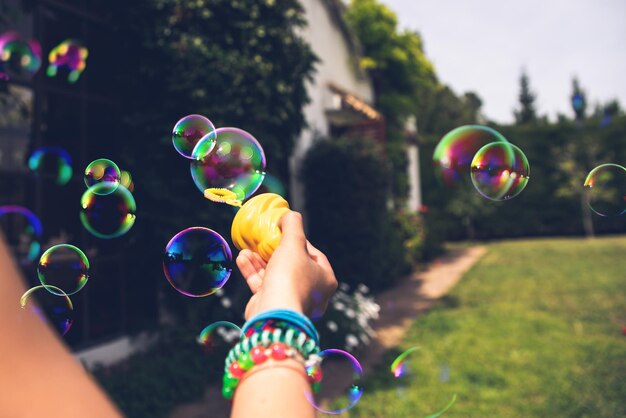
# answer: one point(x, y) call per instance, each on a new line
point(332, 325)
point(226, 302)
point(351, 340)
point(339, 306)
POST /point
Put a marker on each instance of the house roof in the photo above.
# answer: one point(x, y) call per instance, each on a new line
point(354, 103)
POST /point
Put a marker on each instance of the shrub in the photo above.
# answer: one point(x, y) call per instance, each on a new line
point(346, 192)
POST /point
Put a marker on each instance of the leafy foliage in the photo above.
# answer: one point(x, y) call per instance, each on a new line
point(560, 155)
point(401, 74)
point(346, 183)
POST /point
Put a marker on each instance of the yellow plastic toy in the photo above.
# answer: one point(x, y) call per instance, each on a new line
point(255, 226)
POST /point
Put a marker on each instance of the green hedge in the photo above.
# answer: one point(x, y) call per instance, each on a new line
point(540, 210)
point(346, 192)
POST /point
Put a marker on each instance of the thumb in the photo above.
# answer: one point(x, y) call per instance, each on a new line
point(292, 230)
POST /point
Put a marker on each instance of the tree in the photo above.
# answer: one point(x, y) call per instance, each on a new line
point(578, 100)
point(401, 73)
point(527, 112)
point(240, 63)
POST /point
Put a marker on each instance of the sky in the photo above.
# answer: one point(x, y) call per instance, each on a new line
point(483, 46)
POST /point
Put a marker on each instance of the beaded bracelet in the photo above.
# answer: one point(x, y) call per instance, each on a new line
point(255, 349)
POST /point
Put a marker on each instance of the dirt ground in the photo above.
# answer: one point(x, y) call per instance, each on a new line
point(400, 305)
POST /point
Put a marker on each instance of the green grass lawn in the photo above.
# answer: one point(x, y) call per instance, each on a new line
point(533, 330)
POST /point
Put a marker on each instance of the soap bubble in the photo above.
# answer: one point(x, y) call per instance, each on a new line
point(22, 231)
point(454, 152)
point(126, 180)
point(105, 173)
point(64, 267)
point(271, 184)
point(444, 409)
point(400, 367)
point(197, 262)
point(219, 337)
point(500, 171)
point(236, 165)
point(69, 54)
point(107, 216)
point(187, 133)
point(51, 163)
point(328, 375)
point(17, 56)
point(51, 305)
point(606, 189)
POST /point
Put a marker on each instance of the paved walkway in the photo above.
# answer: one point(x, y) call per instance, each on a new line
point(400, 306)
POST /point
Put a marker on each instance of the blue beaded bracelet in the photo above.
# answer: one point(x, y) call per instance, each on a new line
point(295, 318)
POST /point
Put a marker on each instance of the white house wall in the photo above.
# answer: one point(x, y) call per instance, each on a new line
point(336, 65)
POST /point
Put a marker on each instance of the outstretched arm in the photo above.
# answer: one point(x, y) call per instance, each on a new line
point(39, 377)
point(297, 277)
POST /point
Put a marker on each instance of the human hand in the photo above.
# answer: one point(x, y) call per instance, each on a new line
point(298, 276)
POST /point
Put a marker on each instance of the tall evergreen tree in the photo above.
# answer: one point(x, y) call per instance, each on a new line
point(527, 112)
point(579, 100)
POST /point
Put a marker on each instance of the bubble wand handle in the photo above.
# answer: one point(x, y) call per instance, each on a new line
point(255, 226)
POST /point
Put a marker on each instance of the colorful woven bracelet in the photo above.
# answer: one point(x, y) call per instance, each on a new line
point(275, 343)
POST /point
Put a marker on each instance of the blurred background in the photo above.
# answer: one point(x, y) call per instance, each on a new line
point(349, 104)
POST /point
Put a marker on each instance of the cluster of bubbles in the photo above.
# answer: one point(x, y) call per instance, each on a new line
point(227, 165)
point(107, 211)
point(107, 206)
point(63, 270)
point(498, 169)
point(20, 57)
point(70, 54)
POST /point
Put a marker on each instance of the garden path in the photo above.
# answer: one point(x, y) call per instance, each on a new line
point(400, 306)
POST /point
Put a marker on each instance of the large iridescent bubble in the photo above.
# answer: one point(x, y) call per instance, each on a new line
point(236, 164)
point(52, 163)
point(107, 215)
point(65, 267)
point(22, 231)
point(500, 171)
point(197, 261)
point(49, 304)
point(605, 188)
point(189, 131)
point(329, 374)
point(454, 152)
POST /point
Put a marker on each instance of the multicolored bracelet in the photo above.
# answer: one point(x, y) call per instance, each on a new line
point(275, 339)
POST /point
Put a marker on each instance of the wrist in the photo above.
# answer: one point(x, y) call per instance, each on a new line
point(290, 303)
